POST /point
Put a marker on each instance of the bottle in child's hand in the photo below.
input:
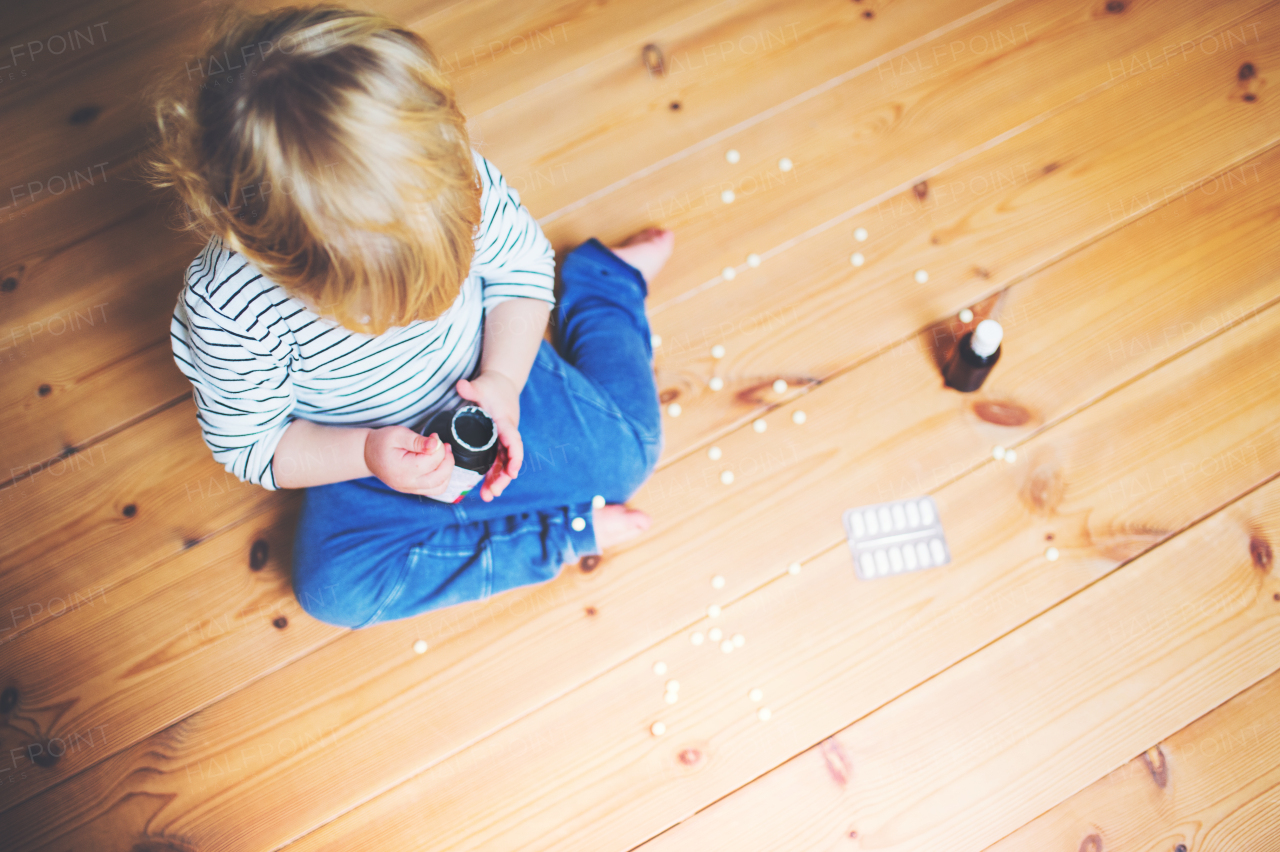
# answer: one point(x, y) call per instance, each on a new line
point(471, 433)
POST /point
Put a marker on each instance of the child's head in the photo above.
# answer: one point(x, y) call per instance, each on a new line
point(326, 146)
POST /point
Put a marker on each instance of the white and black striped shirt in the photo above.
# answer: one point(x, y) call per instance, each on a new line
point(259, 359)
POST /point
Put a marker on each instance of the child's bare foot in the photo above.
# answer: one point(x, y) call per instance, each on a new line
point(615, 524)
point(647, 251)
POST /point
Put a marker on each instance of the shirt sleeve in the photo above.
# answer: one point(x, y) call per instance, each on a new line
point(513, 256)
point(243, 390)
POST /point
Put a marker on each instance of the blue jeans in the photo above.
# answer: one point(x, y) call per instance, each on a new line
point(365, 553)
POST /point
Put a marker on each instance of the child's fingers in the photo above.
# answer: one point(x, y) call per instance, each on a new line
point(434, 481)
point(514, 445)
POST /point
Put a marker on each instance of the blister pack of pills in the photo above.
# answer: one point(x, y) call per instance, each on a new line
point(896, 537)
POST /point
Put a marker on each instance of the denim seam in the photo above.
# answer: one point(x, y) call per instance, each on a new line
point(391, 597)
point(613, 411)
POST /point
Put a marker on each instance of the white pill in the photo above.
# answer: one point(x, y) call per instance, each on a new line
point(759, 425)
point(717, 351)
point(899, 516)
point(697, 638)
point(922, 554)
point(785, 164)
point(726, 646)
point(739, 640)
point(997, 452)
point(420, 647)
point(714, 453)
point(657, 729)
point(716, 383)
point(715, 634)
point(713, 611)
point(674, 409)
point(727, 477)
point(909, 557)
point(659, 668)
point(578, 524)
point(717, 582)
point(763, 714)
point(753, 260)
point(671, 697)
point(793, 568)
point(966, 315)
point(673, 685)
point(798, 417)
point(1051, 554)
point(597, 502)
point(1011, 456)
point(882, 562)
point(732, 155)
point(873, 526)
point(935, 550)
point(728, 273)
point(868, 565)
point(756, 694)
point(857, 259)
point(921, 276)
point(885, 517)
point(859, 528)
point(727, 196)
point(895, 560)
point(860, 234)
point(913, 515)
point(926, 511)
point(779, 385)
point(655, 340)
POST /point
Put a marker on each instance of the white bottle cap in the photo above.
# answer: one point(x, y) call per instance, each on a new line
point(986, 338)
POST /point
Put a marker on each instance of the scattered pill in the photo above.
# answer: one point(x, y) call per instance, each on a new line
point(997, 452)
point(921, 276)
point(717, 351)
point(860, 234)
point(966, 315)
point(716, 383)
point(756, 694)
point(728, 273)
point(597, 502)
point(727, 477)
point(657, 729)
point(655, 340)
point(793, 568)
point(753, 260)
point(715, 634)
point(726, 646)
point(798, 417)
point(857, 259)
point(739, 640)
point(1051, 554)
point(759, 425)
point(420, 647)
point(674, 409)
point(714, 454)
point(697, 638)
point(727, 196)
point(659, 668)
point(785, 164)
point(779, 385)
point(717, 582)
point(671, 697)
point(763, 714)
point(732, 155)
point(578, 524)
point(713, 611)
point(1011, 456)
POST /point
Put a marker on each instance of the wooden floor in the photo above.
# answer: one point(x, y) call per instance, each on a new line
point(1100, 176)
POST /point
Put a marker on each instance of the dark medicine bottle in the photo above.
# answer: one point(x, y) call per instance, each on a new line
point(975, 355)
point(474, 438)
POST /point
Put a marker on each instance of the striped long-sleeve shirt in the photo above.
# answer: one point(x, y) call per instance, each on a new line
point(259, 359)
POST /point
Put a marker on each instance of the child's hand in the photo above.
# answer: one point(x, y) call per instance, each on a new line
point(407, 461)
point(498, 396)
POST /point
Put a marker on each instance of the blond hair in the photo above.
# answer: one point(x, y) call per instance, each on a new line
point(327, 147)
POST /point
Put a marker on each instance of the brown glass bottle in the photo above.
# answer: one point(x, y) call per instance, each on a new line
point(975, 355)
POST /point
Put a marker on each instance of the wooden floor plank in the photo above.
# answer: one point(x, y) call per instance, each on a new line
point(773, 514)
point(1215, 784)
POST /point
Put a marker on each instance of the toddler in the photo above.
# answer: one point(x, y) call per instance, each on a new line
point(364, 269)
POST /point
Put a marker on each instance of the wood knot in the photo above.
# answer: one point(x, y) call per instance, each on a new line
point(591, 610)
point(1115, 7)
point(280, 623)
point(1181, 847)
point(1247, 72)
point(1156, 765)
point(44, 390)
point(1250, 97)
point(46, 757)
point(1050, 168)
point(1002, 413)
point(668, 395)
point(981, 272)
point(651, 56)
point(675, 106)
point(838, 763)
point(1260, 552)
point(868, 14)
point(258, 554)
point(9, 284)
point(587, 564)
point(8, 699)
point(1044, 488)
point(690, 757)
point(84, 115)
point(921, 190)
point(130, 510)
point(1092, 843)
